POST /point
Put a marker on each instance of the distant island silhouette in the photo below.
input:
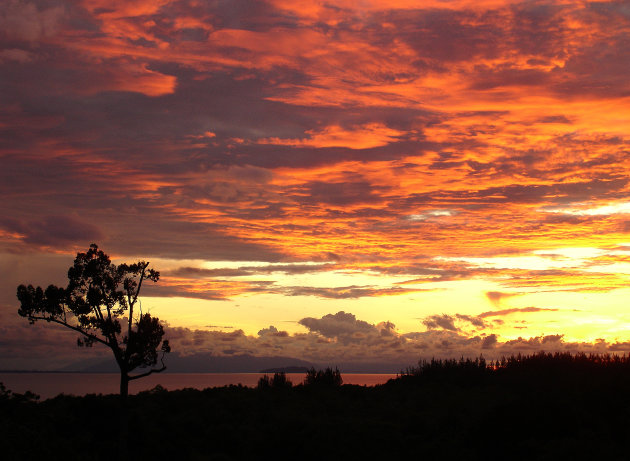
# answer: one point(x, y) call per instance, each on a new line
point(238, 363)
point(294, 369)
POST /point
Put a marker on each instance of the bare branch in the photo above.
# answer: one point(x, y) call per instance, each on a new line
point(72, 327)
point(151, 371)
point(135, 298)
point(142, 276)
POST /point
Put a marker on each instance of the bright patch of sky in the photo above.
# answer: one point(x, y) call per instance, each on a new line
point(617, 208)
point(556, 258)
point(430, 214)
point(515, 262)
point(575, 253)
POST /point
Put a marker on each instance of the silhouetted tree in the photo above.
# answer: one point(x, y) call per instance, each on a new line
point(323, 378)
point(7, 395)
point(93, 304)
point(278, 381)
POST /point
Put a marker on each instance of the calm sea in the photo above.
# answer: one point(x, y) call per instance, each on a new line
point(48, 385)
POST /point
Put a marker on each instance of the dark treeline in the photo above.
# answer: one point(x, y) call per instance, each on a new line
point(559, 366)
point(544, 406)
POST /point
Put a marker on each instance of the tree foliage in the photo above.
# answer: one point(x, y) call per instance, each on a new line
point(277, 381)
point(94, 304)
point(323, 378)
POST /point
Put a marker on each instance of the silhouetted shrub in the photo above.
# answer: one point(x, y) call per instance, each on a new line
point(278, 381)
point(323, 378)
point(264, 382)
point(6, 395)
point(157, 389)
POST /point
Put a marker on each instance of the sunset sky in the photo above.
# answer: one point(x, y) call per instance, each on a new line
point(333, 181)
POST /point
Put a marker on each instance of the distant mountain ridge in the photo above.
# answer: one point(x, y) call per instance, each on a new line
point(202, 363)
point(286, 370)
point(209, 363)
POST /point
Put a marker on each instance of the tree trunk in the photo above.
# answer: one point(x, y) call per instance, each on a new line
point(123, 429)
point(124, 385)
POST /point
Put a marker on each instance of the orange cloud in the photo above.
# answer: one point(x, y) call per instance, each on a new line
point(140, 79)
point(361, 137)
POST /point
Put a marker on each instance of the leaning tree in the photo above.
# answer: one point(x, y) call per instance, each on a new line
point(94, 304)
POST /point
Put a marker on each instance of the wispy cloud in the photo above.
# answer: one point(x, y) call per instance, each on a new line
point(514, 310)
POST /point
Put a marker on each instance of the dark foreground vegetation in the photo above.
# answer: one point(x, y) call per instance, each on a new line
point(540, 407)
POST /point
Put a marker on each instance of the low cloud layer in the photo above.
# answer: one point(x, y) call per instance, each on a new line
point(332, 338)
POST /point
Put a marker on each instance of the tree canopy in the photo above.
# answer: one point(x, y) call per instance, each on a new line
point(94, 303)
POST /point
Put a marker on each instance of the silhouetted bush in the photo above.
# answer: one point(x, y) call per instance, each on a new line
point(278, 381)
point(323, 378)
point(7, 395)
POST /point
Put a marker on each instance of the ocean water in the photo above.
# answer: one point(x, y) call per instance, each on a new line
point(48, 385)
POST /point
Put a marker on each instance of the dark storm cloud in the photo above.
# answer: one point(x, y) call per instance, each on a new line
point(57, 231)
